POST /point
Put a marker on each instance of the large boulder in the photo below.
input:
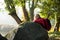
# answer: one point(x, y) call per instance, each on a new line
point(8, 31)
point(2, 38)
point(31, 31)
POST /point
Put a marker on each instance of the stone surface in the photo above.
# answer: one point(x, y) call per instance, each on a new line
point(2, 38)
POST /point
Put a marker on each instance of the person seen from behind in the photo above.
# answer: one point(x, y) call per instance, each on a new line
point(45, 23)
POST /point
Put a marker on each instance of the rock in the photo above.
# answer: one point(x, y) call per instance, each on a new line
point(2, 38)
point(31, 31)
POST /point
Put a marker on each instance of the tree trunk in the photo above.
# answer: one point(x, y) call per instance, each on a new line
point(17, 19)
point(57, 27)
point(26, 16)
point(57, 19)
point(32, 11)
point(31, 14)
point(55, 22)
point(11, 8)
point(58, 23)
point(14, 15)
point(33, 6)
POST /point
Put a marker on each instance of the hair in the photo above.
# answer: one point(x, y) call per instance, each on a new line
point(37, 15)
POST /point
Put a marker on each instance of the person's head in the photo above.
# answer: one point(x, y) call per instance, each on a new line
point(37, 16)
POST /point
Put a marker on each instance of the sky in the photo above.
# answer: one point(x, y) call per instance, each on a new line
point(2, 4)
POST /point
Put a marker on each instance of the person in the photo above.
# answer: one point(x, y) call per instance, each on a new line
point(32, 31)
point(45, 23)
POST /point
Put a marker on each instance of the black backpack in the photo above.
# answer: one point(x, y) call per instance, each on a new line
point(31, 31)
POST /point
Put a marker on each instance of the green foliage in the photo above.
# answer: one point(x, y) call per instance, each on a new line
point(50, 6)
point(47, 6)
point(17, 2)
point(10, 6)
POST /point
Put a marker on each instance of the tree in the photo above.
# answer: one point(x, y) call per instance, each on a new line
point(10, 6)
point(32, 6)
point(56, 6)
point(31, 11)
point(52, 6)
point(23, 4)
